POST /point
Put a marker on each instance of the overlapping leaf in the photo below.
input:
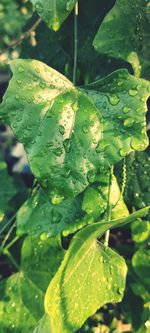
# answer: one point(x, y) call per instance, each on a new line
point(128, 41)
point(54, 12)
point(137, 190)
point(95, 200)
point(71, 135)
point(38, 217)
point(22, 294)
point(7, 189)
point(71, 296)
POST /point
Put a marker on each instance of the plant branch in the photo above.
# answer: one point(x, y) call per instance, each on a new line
point(76, 12)
point(11, 258)
point(8, 234)
point(24, 36)
point(109, 208)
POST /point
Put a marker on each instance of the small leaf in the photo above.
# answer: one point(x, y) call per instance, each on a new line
point(7, 189)
point(141, 265)
point(137, 190)
point(127, 41)
point(71, 296)
point(140, 231)
point(54, 12)
point(22, 294)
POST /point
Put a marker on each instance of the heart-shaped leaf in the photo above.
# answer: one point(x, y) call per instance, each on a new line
point(71, 296)
point(22, 294)
point(72, 135)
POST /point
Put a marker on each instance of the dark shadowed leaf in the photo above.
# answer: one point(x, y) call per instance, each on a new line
point(127, 40)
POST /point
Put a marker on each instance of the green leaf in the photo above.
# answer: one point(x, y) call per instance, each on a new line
point(74, 133)
point(95, 200)
point(71, 296)
point(14, 316)
point(141, 265)
point(137, 190)
point(124, 33)
point(38, 217)
point(7, 189)
point(43, 325)
point(140, 231)
point(54, 12)
point(140, 290)
point(22, 294)
point(119, 208)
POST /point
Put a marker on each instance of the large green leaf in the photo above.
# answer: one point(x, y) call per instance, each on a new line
point(71, 296)
point(124, 33)
point(54, 12)
point(7, 189)
point(22, 294)
point(38, 217)
point(71, 135)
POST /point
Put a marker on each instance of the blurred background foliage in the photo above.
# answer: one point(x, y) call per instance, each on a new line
point(57, 49)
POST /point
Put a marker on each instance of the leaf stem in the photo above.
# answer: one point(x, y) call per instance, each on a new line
point(7, 223)
point(11, 243)
point(11, 258)
point(8, 234)
point(109, 208)
point(76, 12)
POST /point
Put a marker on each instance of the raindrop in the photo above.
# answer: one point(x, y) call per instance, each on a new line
point(85, 128)
point(123, 152)
point(126, 109)
point(114, 100)
point(55, 24)
point(17, 97)
point(61, 129)
point(91, 176)
point(132, 92)
point(128, 122)
point(66, 173)
point(66, 145)
point(58, 151)
point(56, 199)
point(19, 82)
point(42, 85)
point(20, 69)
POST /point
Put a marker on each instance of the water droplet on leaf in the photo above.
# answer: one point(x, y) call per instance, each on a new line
point(114, 100)
point(20, 69)
point(132, 92)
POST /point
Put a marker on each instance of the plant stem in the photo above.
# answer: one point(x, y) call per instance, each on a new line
point(7, 224)
point(76, 12)
point(12, 260)
point(11, 243)
point(8, 234)
point(109, 208)
point(22, 37)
